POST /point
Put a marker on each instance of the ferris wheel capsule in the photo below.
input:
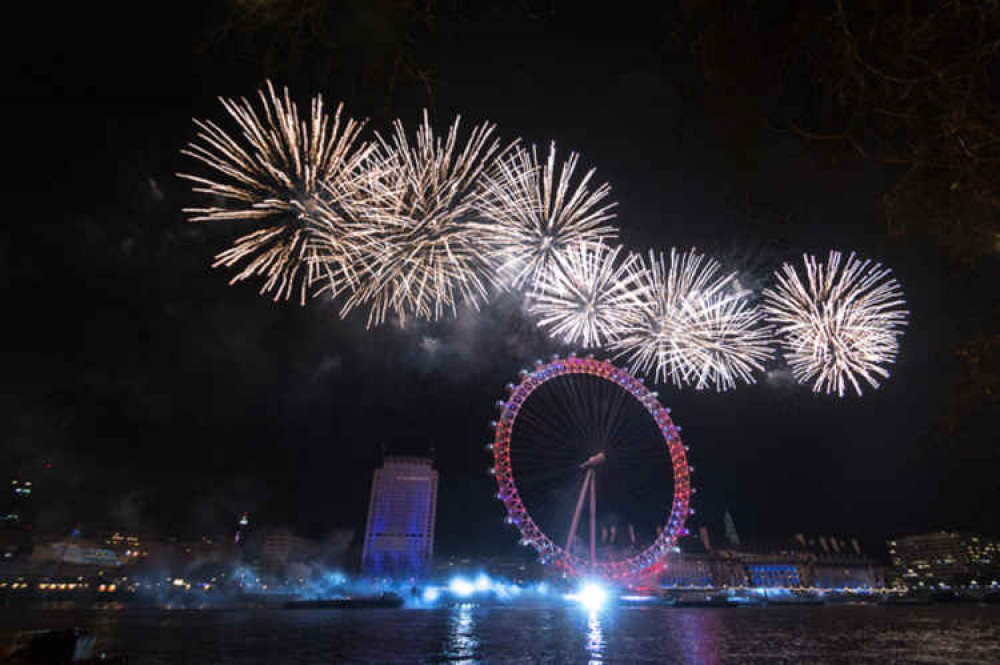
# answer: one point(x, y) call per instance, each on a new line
point(500, 404)
point(510, 387)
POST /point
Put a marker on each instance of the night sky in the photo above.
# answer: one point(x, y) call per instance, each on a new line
point(167, 400)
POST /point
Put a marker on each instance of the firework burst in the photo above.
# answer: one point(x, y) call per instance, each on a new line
point(690, 325)
point(582, 299)
point(425, 255)
point(840, 325)
point(275, 173)
point(536, 212)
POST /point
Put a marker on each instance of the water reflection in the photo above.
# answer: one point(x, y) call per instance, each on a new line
point(595, 640)
point(698, 637)
point(462, 641)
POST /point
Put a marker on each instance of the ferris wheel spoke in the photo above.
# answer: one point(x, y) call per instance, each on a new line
point(544, 479)
point(615, 422)
point(581, 409)
point(549, 433)
point(544, 440)
point(558, 414)
point(582, 430)
point(568, 410)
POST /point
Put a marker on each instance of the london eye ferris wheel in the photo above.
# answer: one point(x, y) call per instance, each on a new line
point(591, 469)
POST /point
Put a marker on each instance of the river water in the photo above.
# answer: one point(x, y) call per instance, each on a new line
point(558, 634)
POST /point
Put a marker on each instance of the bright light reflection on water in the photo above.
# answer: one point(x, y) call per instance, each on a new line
point(462, 640)
point(595, 639)
point(553, 634)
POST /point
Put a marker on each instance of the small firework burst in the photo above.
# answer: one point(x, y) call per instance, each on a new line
point(275, 173)
point(691, 326)
point(584, 295)
point(839, 326)
point(537, 211)
point(424, 256)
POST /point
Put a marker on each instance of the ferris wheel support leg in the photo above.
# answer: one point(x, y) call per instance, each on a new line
point(576, 513)
point(593, 518)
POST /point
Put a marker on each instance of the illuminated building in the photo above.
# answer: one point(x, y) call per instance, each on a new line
point(242, 527)
point(399, 536)
point(16, 535)
point(821, 563)
point(20, 512)
point(946, 558)
point(127, 547)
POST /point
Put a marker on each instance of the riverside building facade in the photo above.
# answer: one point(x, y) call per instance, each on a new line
point(399, 535)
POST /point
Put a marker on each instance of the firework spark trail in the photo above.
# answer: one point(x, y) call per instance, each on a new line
point(275, 173)
point(690, 326)
point(585, 294)
point(536, 213)
point(841, 324)
point(425, 256)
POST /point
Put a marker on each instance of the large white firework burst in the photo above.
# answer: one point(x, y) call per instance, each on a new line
point(692, 325)
point(425, 256)
point(841, 324)
point(275, 173)
point(536, 211)
point(584, 295)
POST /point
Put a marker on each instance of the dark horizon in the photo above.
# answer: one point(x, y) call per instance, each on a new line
point(167, 400)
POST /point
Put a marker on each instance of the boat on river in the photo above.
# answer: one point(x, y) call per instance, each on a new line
point(385, 600)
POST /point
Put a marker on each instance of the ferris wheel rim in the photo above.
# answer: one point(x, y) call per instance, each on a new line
point(531, 534)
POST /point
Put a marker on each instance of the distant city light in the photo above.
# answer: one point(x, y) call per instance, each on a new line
point(482, 582)
point(431, 594)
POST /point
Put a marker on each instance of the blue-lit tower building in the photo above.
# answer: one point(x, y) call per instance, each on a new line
point(399, 536)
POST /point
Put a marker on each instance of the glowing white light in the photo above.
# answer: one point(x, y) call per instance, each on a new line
point(482, 582)
point(536, 211)
point(273, 173)
point(689, 325)
point(839, 324)
point(461, 587)
point(431, 594)
point(592, 596)
point(586, 293)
